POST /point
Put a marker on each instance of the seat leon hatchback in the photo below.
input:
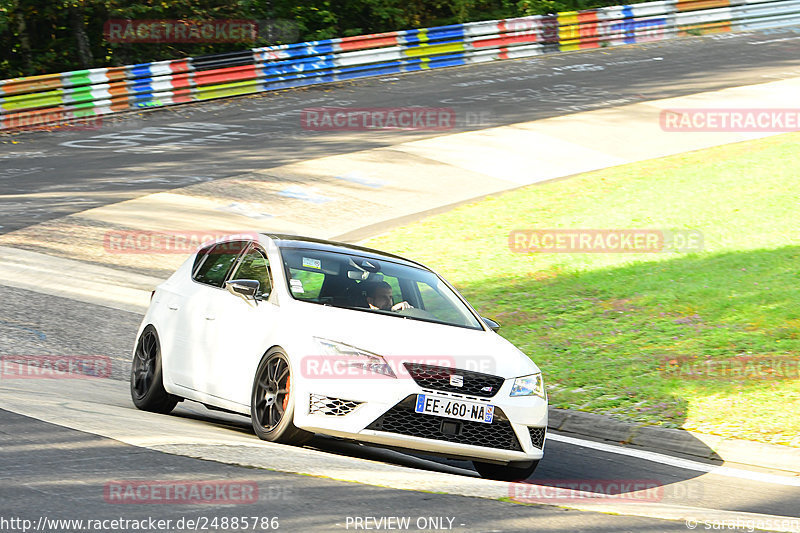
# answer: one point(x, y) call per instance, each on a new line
point(308, 336)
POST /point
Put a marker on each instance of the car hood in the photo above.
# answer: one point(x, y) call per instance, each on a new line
point(404, 339)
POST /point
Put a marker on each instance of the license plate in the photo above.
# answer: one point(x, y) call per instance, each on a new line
point(450, 408)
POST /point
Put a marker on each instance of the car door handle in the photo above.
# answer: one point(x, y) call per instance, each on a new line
point(173, 308)
point(211, 318)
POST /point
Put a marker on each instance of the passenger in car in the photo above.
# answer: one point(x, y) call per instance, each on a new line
point(379, 296)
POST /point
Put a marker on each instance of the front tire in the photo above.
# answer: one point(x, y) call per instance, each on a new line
point(147, 386)
point(272, 401)
point(509, 472)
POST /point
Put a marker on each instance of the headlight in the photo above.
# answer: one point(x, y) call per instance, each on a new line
point(355, 357)
point(529, 386)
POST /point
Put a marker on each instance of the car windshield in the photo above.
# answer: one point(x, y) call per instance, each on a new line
point(366, 284)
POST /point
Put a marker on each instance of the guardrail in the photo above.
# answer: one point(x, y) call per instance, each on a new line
point(80, 94)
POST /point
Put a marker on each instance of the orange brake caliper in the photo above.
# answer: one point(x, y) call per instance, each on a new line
point(288, 388)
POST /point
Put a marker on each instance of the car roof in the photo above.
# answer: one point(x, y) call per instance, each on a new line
point(283, 240)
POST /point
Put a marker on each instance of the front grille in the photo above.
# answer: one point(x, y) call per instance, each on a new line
point(438, 378)
point(403, 420)
point(323, 405)
point(537, 437)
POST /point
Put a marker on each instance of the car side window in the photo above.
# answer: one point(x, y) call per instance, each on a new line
point(217, 263)
point(255, 265)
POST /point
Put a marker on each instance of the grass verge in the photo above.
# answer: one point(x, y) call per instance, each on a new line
point(618, 333)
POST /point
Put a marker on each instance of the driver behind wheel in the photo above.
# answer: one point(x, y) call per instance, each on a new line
point(379, 296)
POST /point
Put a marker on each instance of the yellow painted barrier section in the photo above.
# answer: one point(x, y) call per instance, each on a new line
point(569, 35)
point(706, 28)
point(434, 49)
point(31, 101)
point(695, 5)
point(228, 89)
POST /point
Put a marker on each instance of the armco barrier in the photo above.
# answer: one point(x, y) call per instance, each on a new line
point(86, 93)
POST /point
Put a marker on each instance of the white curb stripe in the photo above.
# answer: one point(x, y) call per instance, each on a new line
point(679, 462)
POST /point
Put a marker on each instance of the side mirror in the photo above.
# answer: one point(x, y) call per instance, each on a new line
point(246, 289)
point(494, 326)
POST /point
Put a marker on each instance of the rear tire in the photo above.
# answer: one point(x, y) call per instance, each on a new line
point(272, 401)
point(147, 387)
point(508, 472)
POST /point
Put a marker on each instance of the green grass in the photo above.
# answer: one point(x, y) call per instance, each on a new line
point(604, 326)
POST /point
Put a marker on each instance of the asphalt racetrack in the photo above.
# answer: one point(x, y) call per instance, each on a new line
point(55, 462)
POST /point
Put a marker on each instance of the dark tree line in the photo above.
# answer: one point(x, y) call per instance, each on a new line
point(43, 36)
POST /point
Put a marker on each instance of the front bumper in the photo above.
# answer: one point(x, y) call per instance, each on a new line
point(382, 413)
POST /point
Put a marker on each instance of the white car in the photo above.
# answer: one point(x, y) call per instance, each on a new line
point(308, 336)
